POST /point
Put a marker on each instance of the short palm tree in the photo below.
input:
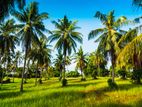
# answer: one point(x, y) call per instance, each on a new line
point(95, 62)
point(108, 36)
point(81, 61)
point(59, 62)
point(66, 36)
point(32, 27)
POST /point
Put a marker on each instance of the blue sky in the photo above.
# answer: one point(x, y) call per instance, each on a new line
point(83, 11)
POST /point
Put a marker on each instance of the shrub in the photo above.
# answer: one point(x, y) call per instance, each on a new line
point(94, 74)
point(83, 79)
point(103, 72)
point(7, 80)
point(40, 81)
point(111, 84)
point(136, 76)
point(73, 74)
point(122, 73)
point(64, 82)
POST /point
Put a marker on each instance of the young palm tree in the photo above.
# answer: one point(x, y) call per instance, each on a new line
point(81, 61)
point(7, 5)
point(66, 37)
point(31, 28)
point(59, 62)
point(109, 36)
point(95, 62)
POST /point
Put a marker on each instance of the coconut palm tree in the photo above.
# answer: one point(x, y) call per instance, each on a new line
point(95, 62)
point(32, 27)
point(8, 41)
point(7, 5)
point(81, 61)
point(66, 36)
point(131, 56)
point(108, 36)
point(40, 54)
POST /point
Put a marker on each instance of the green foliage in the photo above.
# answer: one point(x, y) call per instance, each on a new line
point(111, 84)
point(72, 74)
point(122, 73)
point(64, 82)
point(136, 76)
point(83, 79)
point(103, 72)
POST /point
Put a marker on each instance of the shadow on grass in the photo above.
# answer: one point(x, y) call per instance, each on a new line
point(4, 95)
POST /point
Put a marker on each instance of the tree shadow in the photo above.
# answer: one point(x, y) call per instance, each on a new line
point(4, 95)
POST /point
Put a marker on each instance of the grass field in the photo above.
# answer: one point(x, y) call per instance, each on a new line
point(90, 93)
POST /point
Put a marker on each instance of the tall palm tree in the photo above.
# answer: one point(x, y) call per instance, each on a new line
point(81, 61)
point(8, 40)
point(32, 27)
point(41, 54)
point(108, 36)
point(66, 37)
point(7, 5)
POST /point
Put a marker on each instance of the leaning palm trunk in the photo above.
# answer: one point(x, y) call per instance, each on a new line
point(22, 81)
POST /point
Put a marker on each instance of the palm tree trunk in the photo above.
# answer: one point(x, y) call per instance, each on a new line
point(113, 74)
point(21, 88)
point(81, 72)
point(36, 75)
point(64, 66)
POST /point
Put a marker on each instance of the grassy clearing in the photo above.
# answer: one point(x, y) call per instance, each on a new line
point(90, 93)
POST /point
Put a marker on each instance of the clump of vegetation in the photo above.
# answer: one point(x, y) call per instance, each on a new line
point(83, 79)
point(122, 74)
point(112, 84)
point(64, 82)
point(72, 74)
point(136, 76)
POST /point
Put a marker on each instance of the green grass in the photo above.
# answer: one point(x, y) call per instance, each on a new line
point(90, 93)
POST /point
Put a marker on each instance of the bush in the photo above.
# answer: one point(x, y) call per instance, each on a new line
point(136, 76)
point(111, 84)
point(7, 80)
point(40, 81)
point(94, 74)
point(103, 72)
point(122, 73)
point(64, 82)
point(72, 74)
point(83, 79)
